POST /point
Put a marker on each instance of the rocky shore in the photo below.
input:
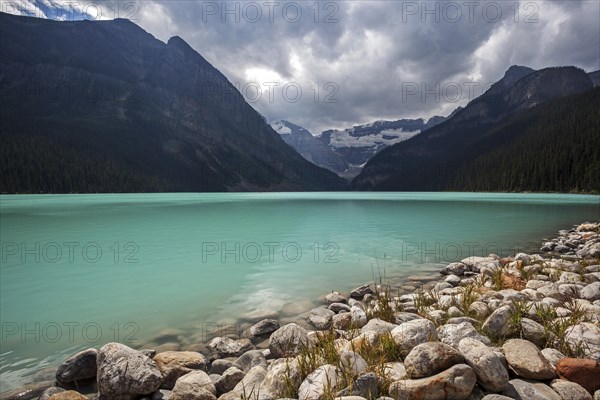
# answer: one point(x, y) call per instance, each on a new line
point(523, 327)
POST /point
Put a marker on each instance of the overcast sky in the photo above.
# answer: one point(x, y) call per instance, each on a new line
point(359, 61)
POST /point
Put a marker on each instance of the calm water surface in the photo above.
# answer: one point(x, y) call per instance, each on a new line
point(82, 270)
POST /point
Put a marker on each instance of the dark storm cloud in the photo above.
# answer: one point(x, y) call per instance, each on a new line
point(359, 61)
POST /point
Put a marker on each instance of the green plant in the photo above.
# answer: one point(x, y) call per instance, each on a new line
point(497, 279)
point(249, 396)
point(467, 297)
point(518, 310)
point(289, 389)
point(323, 351)
point(385, 350)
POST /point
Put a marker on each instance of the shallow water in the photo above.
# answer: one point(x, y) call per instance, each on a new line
point(82, 270)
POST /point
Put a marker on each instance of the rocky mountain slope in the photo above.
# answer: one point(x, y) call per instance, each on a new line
point(431, 160)
point(105, 107)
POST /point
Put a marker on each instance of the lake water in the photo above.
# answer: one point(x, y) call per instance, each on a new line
point(79, 271)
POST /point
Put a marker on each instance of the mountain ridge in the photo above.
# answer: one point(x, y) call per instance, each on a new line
point(346, 151)
point(443, 144)
point(127, 99)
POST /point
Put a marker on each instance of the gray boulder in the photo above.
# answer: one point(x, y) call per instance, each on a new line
point(320, 318)
point(526, 360)
point(412, 333)
point(379, 326)
point(123, 371)
point(452, 334)
point(570, 390)
point(195, 385)
point(318, 383)
point(264, 327)
point(229, 380)
point(78, 367)
point(288, 340)
point(488, 367)
point(227, 347)
point(430, 358)
point(520, 389)
point(456, 383)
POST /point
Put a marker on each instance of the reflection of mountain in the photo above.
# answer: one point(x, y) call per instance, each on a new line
point(513, 137)
point(346, 151)
point(105, 107)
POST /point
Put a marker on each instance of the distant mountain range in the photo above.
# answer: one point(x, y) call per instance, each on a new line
point(513, 137)
point(105, 107)
point(346, 151)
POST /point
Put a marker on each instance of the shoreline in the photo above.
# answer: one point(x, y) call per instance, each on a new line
point(491, 300)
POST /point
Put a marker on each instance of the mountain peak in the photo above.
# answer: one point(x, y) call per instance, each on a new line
point(513, 69)
point(514, 73)
point(177, 41)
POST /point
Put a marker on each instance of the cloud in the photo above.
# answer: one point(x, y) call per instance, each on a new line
point(334, 64)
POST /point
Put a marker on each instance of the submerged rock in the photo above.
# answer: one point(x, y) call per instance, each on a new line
point(227, 347)
point(264, 327)
point(78, 367)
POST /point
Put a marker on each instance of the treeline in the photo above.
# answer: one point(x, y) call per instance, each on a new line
point(40, 164)
point(552, 147)
point(555, 148)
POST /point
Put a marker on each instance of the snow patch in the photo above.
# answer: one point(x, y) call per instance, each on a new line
point(281, 128)
point(376, 139)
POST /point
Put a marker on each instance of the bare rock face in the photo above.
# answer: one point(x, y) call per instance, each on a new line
point(123, 371)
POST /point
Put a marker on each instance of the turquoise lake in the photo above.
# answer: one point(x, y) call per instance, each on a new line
point(79, 271)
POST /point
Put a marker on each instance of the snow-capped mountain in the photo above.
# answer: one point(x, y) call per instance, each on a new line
point(310, 147)
point(346, 151)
